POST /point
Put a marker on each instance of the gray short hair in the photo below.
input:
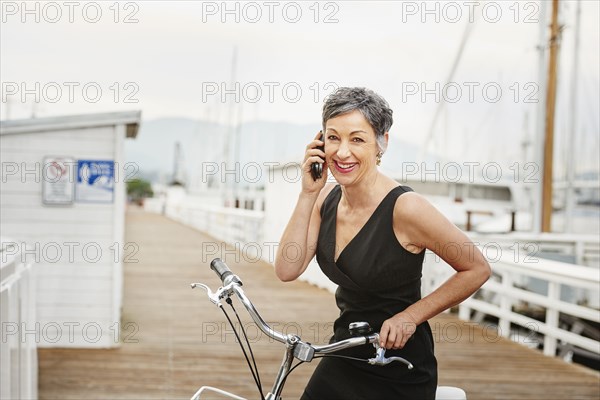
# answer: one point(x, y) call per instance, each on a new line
point(372, 106)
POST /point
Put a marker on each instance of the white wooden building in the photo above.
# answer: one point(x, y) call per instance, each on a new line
point(63, 202)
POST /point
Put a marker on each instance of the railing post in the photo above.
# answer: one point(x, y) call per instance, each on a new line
point(464, 311)
point(505, 305)
point(468, 225)
point(551, 319)
point(513, 220)
point(426, 275)
point(579, 252)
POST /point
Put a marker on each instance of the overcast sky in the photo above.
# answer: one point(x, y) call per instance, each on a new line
point(175, 59)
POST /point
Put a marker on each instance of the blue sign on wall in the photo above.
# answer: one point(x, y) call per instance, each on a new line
point(95, 181)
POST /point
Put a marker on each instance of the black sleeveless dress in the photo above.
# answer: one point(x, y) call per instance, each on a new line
point(377, 278)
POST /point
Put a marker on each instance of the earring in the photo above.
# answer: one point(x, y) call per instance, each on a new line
point(378, 162)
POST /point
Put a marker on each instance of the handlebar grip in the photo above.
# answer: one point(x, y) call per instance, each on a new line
point(221, 269)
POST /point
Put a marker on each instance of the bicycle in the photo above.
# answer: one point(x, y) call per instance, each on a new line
point(361, 334)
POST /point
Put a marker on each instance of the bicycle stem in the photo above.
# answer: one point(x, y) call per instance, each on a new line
point(286, 363)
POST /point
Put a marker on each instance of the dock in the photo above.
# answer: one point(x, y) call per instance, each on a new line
point(173, 340)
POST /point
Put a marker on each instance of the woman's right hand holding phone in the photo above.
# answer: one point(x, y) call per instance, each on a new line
point(314, 154)
point(303, 227)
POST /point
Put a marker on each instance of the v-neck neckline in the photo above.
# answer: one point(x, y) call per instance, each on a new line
point(360, 230)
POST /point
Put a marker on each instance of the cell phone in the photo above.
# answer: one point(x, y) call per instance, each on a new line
point(316, 169)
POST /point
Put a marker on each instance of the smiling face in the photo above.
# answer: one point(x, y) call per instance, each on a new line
point(351, 148)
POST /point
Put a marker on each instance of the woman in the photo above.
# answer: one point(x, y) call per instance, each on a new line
point(369, 236)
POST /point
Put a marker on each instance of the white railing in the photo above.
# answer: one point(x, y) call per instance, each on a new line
point(502, 292)
point(583, 249)
point(18, 364)
point(238, 227)
point(155, 205)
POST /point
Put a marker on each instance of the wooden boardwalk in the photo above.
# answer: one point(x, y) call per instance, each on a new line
point(175, 340)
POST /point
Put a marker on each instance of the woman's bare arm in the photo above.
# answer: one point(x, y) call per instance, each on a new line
point(299, 240)
point(427, 227)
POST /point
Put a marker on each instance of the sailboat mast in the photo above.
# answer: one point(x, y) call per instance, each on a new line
point(538, 156)
point(550, 110)
point(226, 185)
point(572, 133)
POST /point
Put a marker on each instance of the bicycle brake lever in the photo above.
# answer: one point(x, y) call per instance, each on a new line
point(380, 358)
point(211, 296)
point(388, 360)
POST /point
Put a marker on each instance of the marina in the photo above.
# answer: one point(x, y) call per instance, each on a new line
point(114, 205)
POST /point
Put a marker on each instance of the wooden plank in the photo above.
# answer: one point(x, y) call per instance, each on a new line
point(173, 340)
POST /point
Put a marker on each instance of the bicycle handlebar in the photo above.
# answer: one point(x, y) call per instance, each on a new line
point(221, 269)
point(262, 325)
point(346, 343)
